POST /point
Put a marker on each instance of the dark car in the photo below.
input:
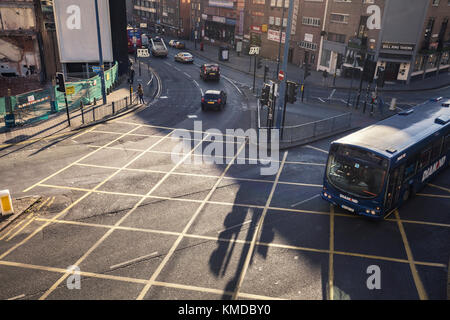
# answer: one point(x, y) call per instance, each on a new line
point(210, 71)
point(214, 99)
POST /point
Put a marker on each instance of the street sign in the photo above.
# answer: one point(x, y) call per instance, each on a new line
point(70, 90)
point(281, 75)
point(96, 69)
point(143, 53)
point(254, 51)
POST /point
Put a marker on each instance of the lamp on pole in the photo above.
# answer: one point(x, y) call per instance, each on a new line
point(100, 53)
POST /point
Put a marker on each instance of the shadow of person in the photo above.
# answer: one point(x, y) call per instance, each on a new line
point(240, 224)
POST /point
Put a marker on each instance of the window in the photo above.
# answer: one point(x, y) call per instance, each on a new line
point(311, 21)
point(424, 158)
point(336, 37)
point(447, 144)
point(325, 58)
point(308, 45)
point(369, 1)
point(410, 169)
point(339, 18)
point(342, 0)
point(436, 149)
point(435, 3)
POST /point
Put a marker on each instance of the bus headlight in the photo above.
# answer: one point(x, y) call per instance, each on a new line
point(373, 212)
point(329, 196)
point(367, 211)
point(325, 194)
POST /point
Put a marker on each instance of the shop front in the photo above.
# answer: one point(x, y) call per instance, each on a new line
point(220, 30)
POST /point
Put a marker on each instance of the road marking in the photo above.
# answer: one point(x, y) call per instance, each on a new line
point(315, 148)
point(187, 74)
point(186, 228)
point(235, 226)
point(298, 203)
point(30, 220)
point(244, 242)
point(16, 226)
point(233, 84)
point(432, 195)
point(134, 260)
point(17, 297)
point(106, 235)
point(82, 158)
point(330, 258)
point(42, 204)
point(192, 116)
point(439, 187)
point(50, 203)
point(419, 286)
point(257, 232)
point(198, 86)
point(164, 97)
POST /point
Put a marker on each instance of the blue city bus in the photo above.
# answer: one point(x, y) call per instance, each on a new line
point(373, 171)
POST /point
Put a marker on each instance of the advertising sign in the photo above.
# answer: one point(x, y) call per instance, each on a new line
point(76, 30)
point(274, 35)
point(221, 3)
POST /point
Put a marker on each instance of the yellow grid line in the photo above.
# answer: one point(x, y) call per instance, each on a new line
point(257, 232)
point(439, 187)
point(292, 210)
point(108, 233)
point(186, 228)
point(419, 285)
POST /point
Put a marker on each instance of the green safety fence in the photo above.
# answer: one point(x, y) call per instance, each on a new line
point(36, 105)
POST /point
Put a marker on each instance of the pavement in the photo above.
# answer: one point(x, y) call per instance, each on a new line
point(128, 205)
point(245, 63)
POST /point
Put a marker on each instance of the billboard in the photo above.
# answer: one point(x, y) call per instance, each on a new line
point(76, 30)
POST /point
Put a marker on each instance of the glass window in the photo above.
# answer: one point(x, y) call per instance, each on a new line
point(436, 150)
point(424, 159)
point(325, 58)
point(355, 176)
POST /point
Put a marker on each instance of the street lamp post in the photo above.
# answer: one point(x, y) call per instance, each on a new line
point(100, 53)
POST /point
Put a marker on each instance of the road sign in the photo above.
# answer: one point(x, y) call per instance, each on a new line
point(254, 51)
point(96, 69)
point(143, 53)
point(281, 75)
point(70, 90)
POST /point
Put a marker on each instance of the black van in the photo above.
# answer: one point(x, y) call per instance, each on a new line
point(210, 71)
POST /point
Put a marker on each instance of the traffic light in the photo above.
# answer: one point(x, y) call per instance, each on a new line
point(265, 94)
point(258, 63)
point(291, 95)
point(61, 87)
point(306, 70)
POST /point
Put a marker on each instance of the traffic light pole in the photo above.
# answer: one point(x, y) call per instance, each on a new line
point(282, 99)
point(100, 53)
point(284, 113)
point(254, 74)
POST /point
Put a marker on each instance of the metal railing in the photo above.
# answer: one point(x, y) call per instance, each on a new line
point(316, 129)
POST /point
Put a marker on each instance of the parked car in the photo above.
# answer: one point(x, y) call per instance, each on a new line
point(214, 99)
point(184, 57)
point(210, 71)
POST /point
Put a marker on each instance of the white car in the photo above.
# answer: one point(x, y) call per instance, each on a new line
point(172, 43)
point(184, 57)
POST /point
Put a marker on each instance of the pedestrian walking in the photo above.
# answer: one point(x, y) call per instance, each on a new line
point(141, 94)
point(324, 75)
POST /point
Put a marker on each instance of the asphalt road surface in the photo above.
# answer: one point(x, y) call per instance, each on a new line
point(135, 219)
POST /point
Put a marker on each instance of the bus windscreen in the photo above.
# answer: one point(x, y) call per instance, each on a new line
point(359, 177)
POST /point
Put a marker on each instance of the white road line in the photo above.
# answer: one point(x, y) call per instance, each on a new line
point(198, 86)
point(134, 260)
point(192, 116)
point(298, 203)
point(164, 97)
point(17, 297)
point(315, 148)
point(187, 74)
point(234, 85)
point(167, 63)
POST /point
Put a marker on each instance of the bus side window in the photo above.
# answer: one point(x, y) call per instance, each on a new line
point(410, 168)
point(446, 144)
point(436, 149)
point(424, 158)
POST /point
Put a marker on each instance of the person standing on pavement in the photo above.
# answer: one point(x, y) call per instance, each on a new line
point(141, 94)
point(131, 76)
point(325, 75)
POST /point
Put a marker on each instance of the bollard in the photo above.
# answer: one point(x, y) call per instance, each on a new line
point(93, 113)
point(126, 102)
point(6, 202)
point(113, 109)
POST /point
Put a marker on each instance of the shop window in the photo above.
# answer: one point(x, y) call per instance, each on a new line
point(445, 57)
